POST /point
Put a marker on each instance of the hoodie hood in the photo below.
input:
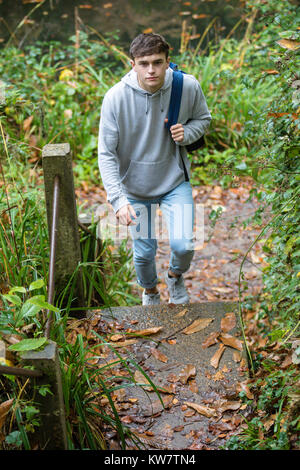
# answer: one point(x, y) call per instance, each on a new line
point(131, 80)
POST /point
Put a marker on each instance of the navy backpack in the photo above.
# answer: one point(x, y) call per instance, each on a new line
point(174, 107)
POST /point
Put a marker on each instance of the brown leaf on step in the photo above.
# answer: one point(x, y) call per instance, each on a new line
point(116, 337)
point(171, 341)
point(197, 325)
point(122, 344)
point(211, 339)
point(236, 356)
point(141, 379)
point(167, 388)
point(201, 409)
point(158, 355)
point(145, 332)
point(229, 405)
point(189, 413)
point(231, 341)
point(217, 356)
point(186, 373)
point(228, 322)
point(157, 406)
point(193, 386)
point(172, 378)
point(178, 428)
point(181, 314)
point(218, 376)
point(155, 442)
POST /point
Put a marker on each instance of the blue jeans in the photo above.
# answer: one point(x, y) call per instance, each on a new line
point(177, 207)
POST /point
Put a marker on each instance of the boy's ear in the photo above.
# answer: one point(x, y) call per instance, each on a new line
point(132, 63)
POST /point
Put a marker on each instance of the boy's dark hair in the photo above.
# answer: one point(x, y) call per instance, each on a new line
point(148, 44)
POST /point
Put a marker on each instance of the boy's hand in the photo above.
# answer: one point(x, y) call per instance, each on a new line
point(125, 214)
point(177, 132)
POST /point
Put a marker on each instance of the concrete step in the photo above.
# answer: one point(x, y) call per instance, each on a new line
point(207, 387)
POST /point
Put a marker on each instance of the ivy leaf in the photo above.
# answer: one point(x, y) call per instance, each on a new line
point(14, 299)
point(28, 344)
point(39, 300)
point(17, 289)
point(37, 284)
point(29, 309)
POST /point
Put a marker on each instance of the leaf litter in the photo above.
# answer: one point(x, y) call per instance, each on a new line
point(175, 391)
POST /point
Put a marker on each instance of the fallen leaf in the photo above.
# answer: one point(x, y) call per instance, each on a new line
point(229, 405)
point(189, 413)
point(289, 44)
point(201, 409)
point(126, 419)
point(217, 356)
point(178, 428)
point(122, 344)
point(228, 322)
point(145, 332)
point(236, 356)
point(5, 406)
point(231, 341)
point(172, 378)
point(270, 72)
point(27, 123)
point(193, 386)
point(186, 373)
point(197, 325)
point(166, 388)
point(157, 406)
point(158, 355)
point(141, 379)
point(211, 339)
point(116, 337)
point(218, 376)
point(181, 314)
point(171, 341)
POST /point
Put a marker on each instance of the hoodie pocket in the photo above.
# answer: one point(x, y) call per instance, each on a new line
point(150, 179)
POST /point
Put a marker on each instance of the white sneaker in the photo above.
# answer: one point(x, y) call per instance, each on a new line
point(177, 291)
point(150, 299)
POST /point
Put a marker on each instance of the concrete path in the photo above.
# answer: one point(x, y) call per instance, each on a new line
point(201, 400)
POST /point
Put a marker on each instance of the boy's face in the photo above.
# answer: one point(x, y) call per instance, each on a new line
point(151, 70)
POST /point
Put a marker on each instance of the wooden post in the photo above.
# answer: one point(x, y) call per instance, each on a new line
point(57, 161)
point(52, 433)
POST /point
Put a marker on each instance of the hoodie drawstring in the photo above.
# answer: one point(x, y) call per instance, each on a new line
point(161, 102)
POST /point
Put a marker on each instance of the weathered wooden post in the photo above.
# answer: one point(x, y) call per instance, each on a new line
point(52, 433)
point(57, 164)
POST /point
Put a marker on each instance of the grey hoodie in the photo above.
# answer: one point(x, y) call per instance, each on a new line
point(136, 153)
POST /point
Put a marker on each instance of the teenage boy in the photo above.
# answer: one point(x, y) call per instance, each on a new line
point(143, 164)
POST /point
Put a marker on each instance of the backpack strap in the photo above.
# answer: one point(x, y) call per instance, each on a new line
point(175, 98)
point(174, 105)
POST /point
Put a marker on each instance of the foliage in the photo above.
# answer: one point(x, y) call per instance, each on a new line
point(277, 173)
point(53, 93)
